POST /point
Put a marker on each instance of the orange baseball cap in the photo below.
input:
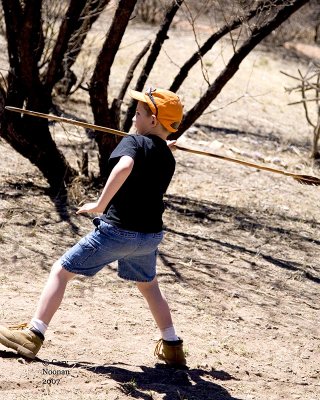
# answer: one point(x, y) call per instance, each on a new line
point(164, 104)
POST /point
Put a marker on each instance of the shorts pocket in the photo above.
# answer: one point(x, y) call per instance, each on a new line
point(81, 252)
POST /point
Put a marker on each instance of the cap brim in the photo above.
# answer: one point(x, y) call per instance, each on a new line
point(138, 96)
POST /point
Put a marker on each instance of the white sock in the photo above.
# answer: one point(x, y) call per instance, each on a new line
point(169, 334)
point(40, 325)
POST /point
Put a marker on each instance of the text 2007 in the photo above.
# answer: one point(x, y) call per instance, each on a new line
point(51, 381)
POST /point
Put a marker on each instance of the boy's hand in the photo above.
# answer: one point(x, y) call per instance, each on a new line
point(171, 144)
point(90, 208)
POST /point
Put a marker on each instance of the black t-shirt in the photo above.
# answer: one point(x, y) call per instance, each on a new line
point(138, 205)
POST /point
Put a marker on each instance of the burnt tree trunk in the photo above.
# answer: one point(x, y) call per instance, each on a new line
point(29, 136)
point(103, 114)
point(162, 35)
point(80, 18)
point(69, 25)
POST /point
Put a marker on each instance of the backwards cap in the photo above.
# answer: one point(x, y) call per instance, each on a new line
point(164, 104)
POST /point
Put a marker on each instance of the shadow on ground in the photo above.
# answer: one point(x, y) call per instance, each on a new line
point(173, 383)
point(235, 222)
point(16, 190)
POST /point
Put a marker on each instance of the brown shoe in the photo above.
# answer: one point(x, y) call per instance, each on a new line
point(171, 352)
point(22, 339)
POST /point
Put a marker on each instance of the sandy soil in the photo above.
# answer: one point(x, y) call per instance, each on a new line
point(239, 263)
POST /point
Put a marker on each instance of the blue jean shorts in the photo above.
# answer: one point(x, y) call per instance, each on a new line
point(135, 252)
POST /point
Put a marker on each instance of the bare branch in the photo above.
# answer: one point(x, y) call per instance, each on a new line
point(245, 95)
point(131, 70)
point(317, 90)
point(69, 25)
point(313, 71)
point(52, 11)
point(100, 78)
point(303, 101)
point(290, 76)
point(191, 20)
point(153, 55)
point(89, 15)
point(231, 68)
point(211, 41)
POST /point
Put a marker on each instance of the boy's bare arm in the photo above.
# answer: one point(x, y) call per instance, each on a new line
point(118, 175)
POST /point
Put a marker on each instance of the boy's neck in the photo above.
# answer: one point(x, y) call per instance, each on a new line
point(161, 135)
point(160, 132)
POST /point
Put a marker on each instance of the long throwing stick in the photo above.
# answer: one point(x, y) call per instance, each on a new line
point(303, 179)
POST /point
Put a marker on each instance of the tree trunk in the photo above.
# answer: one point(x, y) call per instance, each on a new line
point(73, 32)
point(29, 136)
point(42, 153)
point(68, 26)
point(103, 114)
point(154, 53)
point(315, 142)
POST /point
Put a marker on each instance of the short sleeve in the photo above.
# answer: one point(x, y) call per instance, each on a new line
point(127, 147)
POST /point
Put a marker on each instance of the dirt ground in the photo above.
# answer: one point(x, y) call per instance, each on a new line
point(239, 263)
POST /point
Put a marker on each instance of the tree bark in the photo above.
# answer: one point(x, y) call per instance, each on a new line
point(257, 35)
point(100, 82)
point(69, 46)
point(116, 103)
point(42, 153)
point(29, 136)
point(68, 26)
point(154, 53)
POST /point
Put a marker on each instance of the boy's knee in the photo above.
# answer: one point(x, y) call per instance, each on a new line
point(147, 285)
point(56, 267)
point(148, 288)
point(60, 271)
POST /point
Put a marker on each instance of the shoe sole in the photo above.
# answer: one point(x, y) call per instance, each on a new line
point(19, 348)
point(173, 364)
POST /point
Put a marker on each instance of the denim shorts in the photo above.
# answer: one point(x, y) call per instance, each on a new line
point(135, 252)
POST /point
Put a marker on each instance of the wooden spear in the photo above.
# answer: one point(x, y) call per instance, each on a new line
point(303, 179)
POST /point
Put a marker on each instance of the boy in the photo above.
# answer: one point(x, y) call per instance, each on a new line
point(129, 228)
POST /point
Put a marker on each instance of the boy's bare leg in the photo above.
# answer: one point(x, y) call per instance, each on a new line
point(27, 340)
point(52, 293)
point(170, 347)
point(157, 303)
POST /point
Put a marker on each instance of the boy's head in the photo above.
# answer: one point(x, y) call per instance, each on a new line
point(164, 105)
